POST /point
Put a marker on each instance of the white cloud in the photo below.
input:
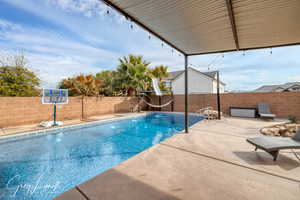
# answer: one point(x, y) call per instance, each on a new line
point(85, 39)
point(89, 8)
point(52, 55)
point(51, 69)
point(6, 25)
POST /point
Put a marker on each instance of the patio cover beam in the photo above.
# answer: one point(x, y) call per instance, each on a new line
point(245, 49)
point(232, 22)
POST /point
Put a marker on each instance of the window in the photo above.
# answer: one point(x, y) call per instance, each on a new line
point(168, 83)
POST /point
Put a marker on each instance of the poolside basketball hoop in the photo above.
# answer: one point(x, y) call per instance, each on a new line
point(54, 96)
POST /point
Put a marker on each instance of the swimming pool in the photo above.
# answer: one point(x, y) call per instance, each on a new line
point(41, 166)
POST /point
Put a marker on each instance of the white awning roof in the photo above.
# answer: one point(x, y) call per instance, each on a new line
point(208, 26)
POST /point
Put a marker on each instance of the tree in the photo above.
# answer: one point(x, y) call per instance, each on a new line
point(69, 83)
point(109, 84)
point(16, 79)
point(133, 74)
point(83, 85)
point(159, 72)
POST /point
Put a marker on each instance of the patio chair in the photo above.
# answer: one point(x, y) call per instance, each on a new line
point(264, 111)
point(273, 145)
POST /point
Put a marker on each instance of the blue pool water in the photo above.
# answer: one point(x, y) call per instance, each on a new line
point(43, 166)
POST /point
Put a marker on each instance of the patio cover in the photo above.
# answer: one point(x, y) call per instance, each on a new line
point(196, 27)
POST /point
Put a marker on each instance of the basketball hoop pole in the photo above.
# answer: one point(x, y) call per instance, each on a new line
point(54, 114)
point(55, 96)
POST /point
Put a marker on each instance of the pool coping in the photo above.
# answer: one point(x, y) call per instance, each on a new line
point(61, 128)
point(26, 134)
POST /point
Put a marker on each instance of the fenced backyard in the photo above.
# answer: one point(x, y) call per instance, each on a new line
point(28, 110)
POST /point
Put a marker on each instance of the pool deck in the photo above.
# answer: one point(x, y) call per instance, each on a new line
point(213, 161)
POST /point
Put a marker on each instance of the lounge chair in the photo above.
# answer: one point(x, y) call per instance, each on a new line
point(273, 145)
point(264, 111)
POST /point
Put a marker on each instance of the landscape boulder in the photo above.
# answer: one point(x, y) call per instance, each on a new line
point(280, 130)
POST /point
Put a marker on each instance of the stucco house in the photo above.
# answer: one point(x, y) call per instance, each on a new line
point(287, 87)
point(198, 82)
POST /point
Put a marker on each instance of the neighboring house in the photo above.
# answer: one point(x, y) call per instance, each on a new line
point(199, 82)
point(287, 87)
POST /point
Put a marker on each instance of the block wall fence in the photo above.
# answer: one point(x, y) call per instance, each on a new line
point(282, 104)
point(28, 110)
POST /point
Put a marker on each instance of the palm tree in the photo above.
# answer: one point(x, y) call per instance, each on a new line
point(159, 72)
point(133, 73)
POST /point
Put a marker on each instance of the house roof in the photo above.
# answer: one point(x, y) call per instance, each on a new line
point(212, 74)
point(267, 88)
point(196, 27)
point(173, 75)
point(272, 88)
point(290, 84)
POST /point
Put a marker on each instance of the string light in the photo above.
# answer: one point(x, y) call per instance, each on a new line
point(131, 26)
point(107, 9)
point(149, 36)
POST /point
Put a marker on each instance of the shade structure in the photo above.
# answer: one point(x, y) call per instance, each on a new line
point(209, 26)
point(195, 27)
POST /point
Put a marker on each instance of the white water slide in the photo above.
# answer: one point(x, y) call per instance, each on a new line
point(158, 92)
point(156, 88)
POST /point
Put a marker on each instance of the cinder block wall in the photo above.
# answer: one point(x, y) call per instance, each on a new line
point(28, 110)
point(282, 104)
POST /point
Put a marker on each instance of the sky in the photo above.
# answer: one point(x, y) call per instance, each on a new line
point(63, 38)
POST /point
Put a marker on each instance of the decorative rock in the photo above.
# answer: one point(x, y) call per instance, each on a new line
point(277, 134)
point(281, 130)
point(275, 131)
point(264, 131)
point(286, 134)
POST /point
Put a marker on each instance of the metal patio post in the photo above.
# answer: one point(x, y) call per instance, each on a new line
point(186, 108)
point(218, 95)
point(54, 114)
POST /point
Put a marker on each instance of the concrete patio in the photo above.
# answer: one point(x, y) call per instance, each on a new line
point(214, 161)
